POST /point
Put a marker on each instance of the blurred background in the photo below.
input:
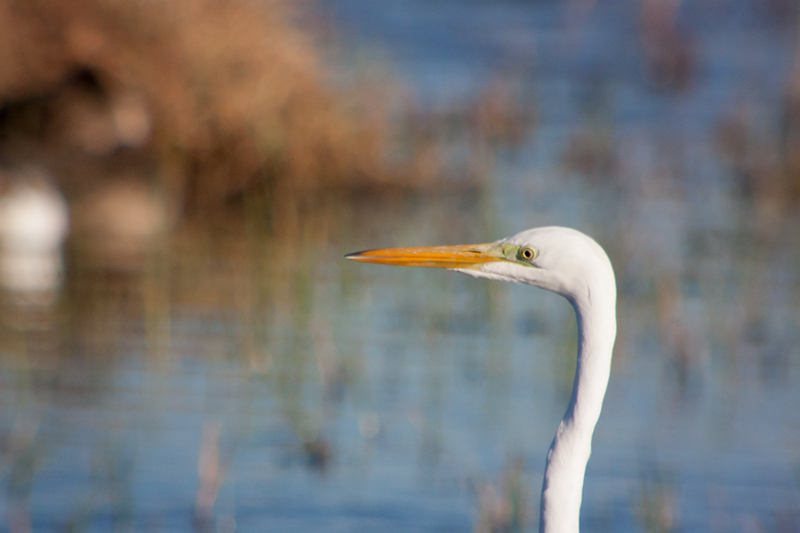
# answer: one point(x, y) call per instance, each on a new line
point(183, 347)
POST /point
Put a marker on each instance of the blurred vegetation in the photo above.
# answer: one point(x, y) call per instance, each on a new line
point(204, 149)
point(205, 101)
point(212, 105)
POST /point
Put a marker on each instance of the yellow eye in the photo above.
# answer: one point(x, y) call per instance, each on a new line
point(526, 253)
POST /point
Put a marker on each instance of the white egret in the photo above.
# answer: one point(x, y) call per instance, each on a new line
point(569, 263)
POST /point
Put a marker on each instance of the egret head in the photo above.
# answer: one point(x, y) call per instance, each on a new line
point(558, 259)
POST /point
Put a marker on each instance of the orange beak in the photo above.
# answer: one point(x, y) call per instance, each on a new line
point(459, 256)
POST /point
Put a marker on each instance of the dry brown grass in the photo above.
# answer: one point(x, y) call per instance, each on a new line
point(207, 99)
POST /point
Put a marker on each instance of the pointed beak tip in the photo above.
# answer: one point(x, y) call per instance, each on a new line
point(358, 256)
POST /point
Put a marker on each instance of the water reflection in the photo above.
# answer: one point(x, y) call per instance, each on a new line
point(246, 382)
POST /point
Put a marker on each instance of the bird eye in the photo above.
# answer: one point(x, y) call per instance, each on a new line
point(526, 253)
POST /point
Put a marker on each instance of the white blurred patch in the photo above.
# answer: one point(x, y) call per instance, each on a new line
point(34, 222)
